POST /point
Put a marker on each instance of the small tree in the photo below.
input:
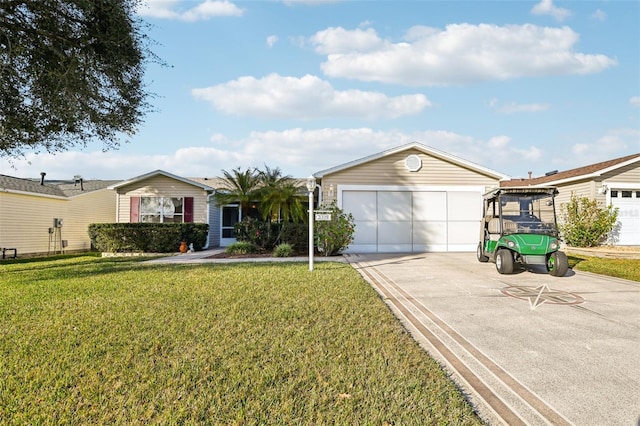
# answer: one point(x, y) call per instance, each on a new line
point(585, 223)
point(334, 235)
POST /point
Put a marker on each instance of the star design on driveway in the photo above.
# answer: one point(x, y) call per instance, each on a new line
point(540, 295)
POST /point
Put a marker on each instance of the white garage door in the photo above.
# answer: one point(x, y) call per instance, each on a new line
point(413, 221)
point(628, 203)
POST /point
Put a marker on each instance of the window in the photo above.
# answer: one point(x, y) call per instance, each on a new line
point(626, 194)
point(161, 209)
point(614, 194)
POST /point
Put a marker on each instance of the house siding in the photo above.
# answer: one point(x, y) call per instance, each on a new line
point(391, 170)
point(162, 186)
point(585, 188)
point(83, 210)
point(26, 220)
point(630, 173)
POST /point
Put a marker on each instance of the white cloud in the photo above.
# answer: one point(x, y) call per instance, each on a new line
point(296, 151)
point(599, 15)
point(170, 9)
point(615, 143)
point(272, 40)
point(303, 98)
point(338, 40)
point(546, 7)
point(635, 101)
point(513, 108)
point(299, 152)
point(459, 54)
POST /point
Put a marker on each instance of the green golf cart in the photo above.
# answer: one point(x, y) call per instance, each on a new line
point(519, 228)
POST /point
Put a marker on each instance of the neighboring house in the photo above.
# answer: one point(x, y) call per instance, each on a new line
point(411, 199)
point(615, 182)
point(29, 208)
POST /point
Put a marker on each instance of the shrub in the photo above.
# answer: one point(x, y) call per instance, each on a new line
point(242, 247)
point(146, 237)
point(335, 235)
point(283, 250)
point(585, 223)
point(296, 235)
point(263, 235)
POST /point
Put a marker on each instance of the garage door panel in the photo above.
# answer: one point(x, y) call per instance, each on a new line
point(463, 236)
point(430, 233)
point(430, 236)
point(394, 232)
point(394, 206)
point(361, 204)
point(429, 206)
point(464, 205)
point(365, 232)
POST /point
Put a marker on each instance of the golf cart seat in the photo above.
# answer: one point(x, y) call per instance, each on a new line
point(494, 228)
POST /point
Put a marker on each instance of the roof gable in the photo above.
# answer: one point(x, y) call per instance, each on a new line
point(585, 172)
point(155, 173)
point(422, 148)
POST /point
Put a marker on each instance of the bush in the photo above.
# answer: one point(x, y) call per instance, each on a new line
point(241, 247)
point(263, 235)
point(146, 237)
point(296, 235)
point(335, 235)
point(283, 250)
point(584, 223)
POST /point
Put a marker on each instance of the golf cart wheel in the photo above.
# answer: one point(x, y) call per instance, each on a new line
point(504, 261)
point(557, 264)
point(481, 257)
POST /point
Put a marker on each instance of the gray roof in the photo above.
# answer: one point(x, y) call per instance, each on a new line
point(52, 188)
point(198, 183)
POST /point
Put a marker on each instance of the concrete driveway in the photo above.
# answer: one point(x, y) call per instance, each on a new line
point(527, 348)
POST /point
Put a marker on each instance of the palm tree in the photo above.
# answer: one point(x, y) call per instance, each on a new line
point(240, 187)
point(281, 196)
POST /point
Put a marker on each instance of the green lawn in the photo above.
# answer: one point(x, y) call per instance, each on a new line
point(621, 268)
point(86, 341)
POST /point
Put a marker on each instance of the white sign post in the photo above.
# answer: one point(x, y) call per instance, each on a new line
point(311, 187)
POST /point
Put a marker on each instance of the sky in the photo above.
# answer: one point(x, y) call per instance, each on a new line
point(514, 86)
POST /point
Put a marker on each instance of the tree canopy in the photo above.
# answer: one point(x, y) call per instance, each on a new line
point(71, 72)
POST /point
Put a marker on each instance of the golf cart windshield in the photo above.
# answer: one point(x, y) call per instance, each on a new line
point(528, 214)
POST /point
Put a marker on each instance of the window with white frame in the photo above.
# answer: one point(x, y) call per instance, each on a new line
point(162, 209)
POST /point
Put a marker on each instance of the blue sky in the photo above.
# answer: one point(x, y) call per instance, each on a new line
point(515, 86)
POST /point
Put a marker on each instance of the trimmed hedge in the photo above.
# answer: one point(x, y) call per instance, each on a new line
point(147, 237)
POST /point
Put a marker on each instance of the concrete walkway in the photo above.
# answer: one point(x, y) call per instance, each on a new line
point(527, 348)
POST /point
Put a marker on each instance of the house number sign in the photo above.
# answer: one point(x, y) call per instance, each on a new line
point(323, 216)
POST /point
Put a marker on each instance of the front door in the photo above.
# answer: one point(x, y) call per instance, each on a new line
point(230, 216)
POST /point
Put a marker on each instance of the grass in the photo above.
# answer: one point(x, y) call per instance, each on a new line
point(89, 340)
point(621, 268)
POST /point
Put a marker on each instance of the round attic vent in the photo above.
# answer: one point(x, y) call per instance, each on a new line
point(413, 163)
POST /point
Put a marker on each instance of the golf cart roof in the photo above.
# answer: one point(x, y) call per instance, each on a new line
point(521, 190)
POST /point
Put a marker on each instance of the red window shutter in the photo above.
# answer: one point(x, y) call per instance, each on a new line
point(134, 210)
point(188, 209)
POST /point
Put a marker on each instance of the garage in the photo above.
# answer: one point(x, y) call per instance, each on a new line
point(427, 219)
point(627, 201)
